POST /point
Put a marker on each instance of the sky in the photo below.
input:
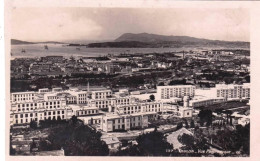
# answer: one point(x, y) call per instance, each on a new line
point(99, 24)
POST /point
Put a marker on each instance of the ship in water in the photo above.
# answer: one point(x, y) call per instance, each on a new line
point(77, 48)
point(23, 51)
point(46, 47)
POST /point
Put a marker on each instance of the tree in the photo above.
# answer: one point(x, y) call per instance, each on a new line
point(42, 123)
point(46, 145)
point(187, 140)
point(48, 122)
point(228, 115)
point(32, 146)
point(161, 84)
point(59, 120)
point(234, 140)
point(219, 110)
point(177, 82)
point(86, 142)
point(153, 144)
point(33, 124)
point(201, 143)
point(205, 116)
point(74, 120)
point(152, 97)
point(78, 139)
point(186, 124)
point(192, 124)
point(91, 121)
point(150, 144)
point(247, 78)
point(179, 125)
point(132, 150)
point(228, 80)
point(12, 151)
point(195, 143)
point(53, 121)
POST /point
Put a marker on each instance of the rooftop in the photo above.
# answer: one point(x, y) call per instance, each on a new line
point(111, 140)
point(172, 138)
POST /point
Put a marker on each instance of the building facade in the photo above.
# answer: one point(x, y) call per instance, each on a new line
point(179, 91)
point(233, 91)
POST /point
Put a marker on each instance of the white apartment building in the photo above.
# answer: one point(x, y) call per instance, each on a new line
point(45, 104)
point(107, 102)
point(139, 108)
point(44, 90)
point(179, 91)
point(24, 113)
point(233, 91)
point(101, 94)
point(204, 101)
point(81, 110)
point(91, 120)
point(18, 97)
point(30, 96)
point(82, 97)
point(112, 122)
point(89, 115)
point(70, 99)
point(126, 117)
point(51, 97)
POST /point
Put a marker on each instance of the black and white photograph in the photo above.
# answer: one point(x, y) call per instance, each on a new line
point(129, 82)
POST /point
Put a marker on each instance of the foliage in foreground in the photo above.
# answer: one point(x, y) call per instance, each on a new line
point(76, 139)
point(151, 144)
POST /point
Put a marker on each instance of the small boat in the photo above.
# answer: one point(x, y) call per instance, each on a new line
point(77, 48)
point(46, 47)
point(23, 51)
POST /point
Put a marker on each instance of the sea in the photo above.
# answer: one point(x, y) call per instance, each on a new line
point(38, 50)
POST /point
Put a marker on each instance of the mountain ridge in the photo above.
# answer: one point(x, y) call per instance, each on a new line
point(146, 37)
point(145, 40)
point(21, 42)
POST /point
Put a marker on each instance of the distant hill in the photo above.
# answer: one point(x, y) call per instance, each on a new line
point(145, 37)
point(20, 42)
point(51, 42)
point(155, 41)
point(123, 44)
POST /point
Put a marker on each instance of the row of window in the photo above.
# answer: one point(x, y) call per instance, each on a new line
point(85, 112)
point(172, 93)
point(33, 108)
point(118, 121)
point(28, 120)
point(102, 93)
point(35, 104)
point(167, 96)
point(35, 114)
point(24, 99)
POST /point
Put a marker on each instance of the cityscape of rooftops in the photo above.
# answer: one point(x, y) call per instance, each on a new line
point(144, 93)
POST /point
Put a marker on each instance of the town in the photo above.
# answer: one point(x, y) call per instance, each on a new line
point(188, 103)
point(134, 71)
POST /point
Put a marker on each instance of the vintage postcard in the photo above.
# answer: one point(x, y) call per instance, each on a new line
point(147, 79)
